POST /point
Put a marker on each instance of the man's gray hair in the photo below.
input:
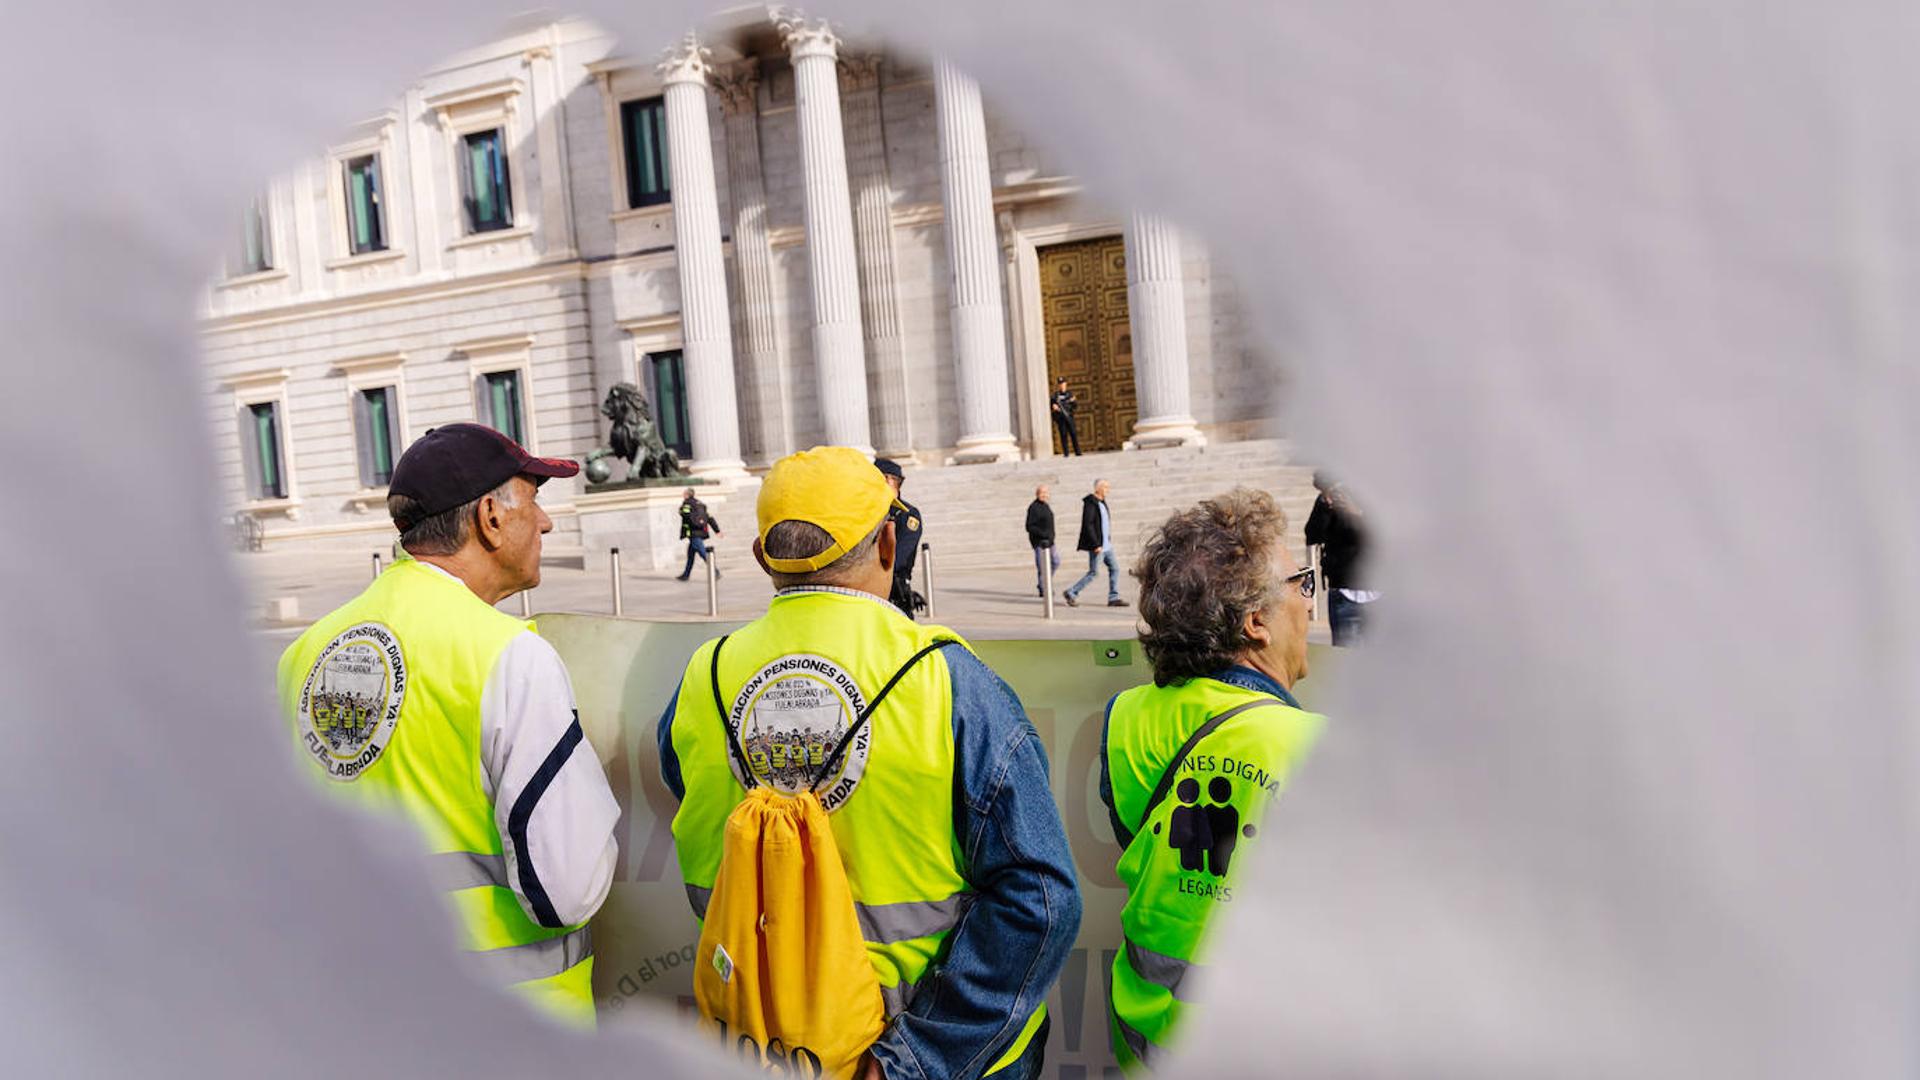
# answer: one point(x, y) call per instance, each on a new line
point(804, 540)
point(445, 532)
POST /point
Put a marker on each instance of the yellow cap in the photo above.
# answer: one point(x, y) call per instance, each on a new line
point(835, 488)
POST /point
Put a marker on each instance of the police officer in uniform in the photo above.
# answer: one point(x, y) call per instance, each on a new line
point(968, 901)
point(907, 528)
point(420, 697)
point(1064, 406)
point(1191, 762)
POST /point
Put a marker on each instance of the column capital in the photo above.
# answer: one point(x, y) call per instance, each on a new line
point(804, 36)
point(859, 71)
point(686, 61)
point(738, 85)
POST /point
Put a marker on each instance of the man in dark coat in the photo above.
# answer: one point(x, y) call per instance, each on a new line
point(1040, 535)
point(1064, 405)
point(907, 528)
point(695, 526)
point(1096, 539)
point(1335, 524)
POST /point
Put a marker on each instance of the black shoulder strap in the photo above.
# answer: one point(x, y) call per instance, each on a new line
point(860, 721)
point(1173, 768)
point(720, 710)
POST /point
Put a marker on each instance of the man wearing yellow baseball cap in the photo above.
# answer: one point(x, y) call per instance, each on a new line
point(934, 783)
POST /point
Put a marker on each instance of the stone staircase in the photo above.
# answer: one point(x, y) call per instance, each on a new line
point(976, 514)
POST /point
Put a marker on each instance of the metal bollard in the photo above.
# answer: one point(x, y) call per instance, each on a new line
point(1319, 611)
point(926, 563)
point(619, 601)
point(376, 566)
point(526, 603)
point(1046, 576)
point(713, 582)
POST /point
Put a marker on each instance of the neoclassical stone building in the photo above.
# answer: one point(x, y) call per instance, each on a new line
point(781, 236)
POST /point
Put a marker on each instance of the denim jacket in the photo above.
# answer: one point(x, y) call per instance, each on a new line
point(1015, 935)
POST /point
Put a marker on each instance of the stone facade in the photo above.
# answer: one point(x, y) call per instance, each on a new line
point(579, 287)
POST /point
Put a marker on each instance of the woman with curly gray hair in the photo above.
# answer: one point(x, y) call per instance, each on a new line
point(1189, 764)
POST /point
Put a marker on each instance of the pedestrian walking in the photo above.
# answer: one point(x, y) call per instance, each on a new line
point(907, 529)
point(1336, 524)
point(1040, 535)
point(1096, 539)
point(1064, 404)
point(1190, 764)
point(420, 697)
point(968, 904)
point(696, 525)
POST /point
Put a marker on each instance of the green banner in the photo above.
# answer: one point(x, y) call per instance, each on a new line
point(623, 673)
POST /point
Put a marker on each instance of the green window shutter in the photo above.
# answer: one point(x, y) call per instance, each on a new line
point(266, 436)
point(357, 209)
point(659, 112)
point(380, 435)
point(485, 178)
point(503, 391)
point(480, 182)
point(365, 230)
point(643, 124)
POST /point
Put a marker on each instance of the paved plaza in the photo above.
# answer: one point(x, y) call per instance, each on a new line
point(985, 603)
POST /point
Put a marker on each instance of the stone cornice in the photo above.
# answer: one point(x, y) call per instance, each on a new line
point(257, 380)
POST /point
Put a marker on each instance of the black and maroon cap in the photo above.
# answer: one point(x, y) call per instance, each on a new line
point(455, 464)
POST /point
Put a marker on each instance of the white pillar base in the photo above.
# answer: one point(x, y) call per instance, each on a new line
point(726, 470)
point(981, 449)
point(1163, 432)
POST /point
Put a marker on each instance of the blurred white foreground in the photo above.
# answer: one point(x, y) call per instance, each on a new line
point(1610, 311)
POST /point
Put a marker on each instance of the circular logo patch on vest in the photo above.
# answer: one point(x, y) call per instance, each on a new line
point(789, 718)
point(351, 700)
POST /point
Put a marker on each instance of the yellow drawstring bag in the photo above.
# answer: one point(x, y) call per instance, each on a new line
point(781, 971)
point(784, 972)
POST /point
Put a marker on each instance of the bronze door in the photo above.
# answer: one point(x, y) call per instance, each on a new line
point(1083, 302)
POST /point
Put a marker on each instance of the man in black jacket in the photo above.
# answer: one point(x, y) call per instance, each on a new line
point(1096, 539)
point(1040, 535)
point(1064, 404)
point(695, 526)
point(1337, 526)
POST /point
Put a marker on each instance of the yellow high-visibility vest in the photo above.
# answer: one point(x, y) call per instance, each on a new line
point(789, 684)
point(384, 696)
point(1183, 855)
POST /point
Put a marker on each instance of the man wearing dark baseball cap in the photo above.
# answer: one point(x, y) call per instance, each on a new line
point(395, 695)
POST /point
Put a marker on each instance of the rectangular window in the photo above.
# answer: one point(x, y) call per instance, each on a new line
point(269, 477)
point(379, 429)
point(256, 250)
point(501, 390)
point(643, 125)
point(483, 176)
point(366, 216)
point(670, 401)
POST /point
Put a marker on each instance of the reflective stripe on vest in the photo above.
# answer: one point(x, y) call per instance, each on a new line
point(448, 640)
point(902, 858)
point(1183, 861)
point(881, 924)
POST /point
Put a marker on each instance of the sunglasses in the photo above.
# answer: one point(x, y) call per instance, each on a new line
point(1306, 580)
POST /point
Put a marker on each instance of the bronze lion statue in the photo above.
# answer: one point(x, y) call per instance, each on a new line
point(634, 437)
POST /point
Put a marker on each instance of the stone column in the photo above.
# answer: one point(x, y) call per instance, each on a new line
point(763, 400)
point(838, 354)
point(1157, 307)
point(706, 329)
point(979, 318)
point(873, 237)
